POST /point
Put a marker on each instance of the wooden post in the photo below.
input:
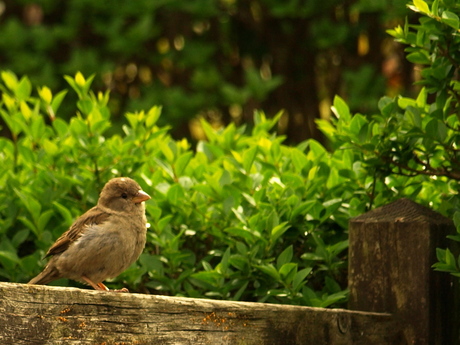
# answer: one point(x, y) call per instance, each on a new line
point(392, 249)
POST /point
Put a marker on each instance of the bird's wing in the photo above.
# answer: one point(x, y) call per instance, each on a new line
point(93, 216)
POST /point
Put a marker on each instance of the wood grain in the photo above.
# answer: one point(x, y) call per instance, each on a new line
point(34, 314)
point(392, 249)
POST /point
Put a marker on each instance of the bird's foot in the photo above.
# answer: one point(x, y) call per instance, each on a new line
point(121, 290)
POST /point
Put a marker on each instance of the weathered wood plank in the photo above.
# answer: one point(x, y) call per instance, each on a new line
point(392, 249)
point(31, 314)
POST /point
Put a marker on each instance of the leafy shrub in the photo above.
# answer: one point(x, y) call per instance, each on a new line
point(412, 146)
point(242, 217)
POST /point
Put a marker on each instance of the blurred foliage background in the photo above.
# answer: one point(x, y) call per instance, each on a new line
point(213, 59)
point(239, 212)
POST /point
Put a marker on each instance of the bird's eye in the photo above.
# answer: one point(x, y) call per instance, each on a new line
point(124, 195)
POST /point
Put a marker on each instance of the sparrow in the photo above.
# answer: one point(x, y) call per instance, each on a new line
point(104, 241)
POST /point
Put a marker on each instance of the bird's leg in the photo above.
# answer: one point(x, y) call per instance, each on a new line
point(98, 286)
point(101, 286)
point(105, 288)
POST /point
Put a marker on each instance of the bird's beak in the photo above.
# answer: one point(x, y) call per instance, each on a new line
point(141, 196)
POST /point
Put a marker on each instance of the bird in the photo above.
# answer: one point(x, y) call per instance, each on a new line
point(104, 241)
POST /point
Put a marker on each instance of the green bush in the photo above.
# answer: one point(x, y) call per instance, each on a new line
point(412, 146)
point(242, 217)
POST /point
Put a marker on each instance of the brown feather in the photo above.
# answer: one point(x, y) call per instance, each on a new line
point(93, 216)
point(49, 274)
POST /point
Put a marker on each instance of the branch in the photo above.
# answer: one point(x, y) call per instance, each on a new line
point(429, 172)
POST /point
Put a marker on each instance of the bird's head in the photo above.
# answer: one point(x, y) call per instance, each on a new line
point(122, 194)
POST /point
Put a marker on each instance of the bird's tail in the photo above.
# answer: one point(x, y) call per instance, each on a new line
point(49, 274)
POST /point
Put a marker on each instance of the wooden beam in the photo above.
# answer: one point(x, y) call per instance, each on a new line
point(32, 314)
point(392, 249)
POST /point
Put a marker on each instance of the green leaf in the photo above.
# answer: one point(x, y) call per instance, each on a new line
point(209, 131)
point(277, 231)
point(420, 57)
point(23, 89)
point(163, 222)
point(334, 298)
point(303, 208)
point(65, 213)
point(327, 128)
point(341, 109)
point(285, 257)
point(337, 248)
point(20, 237)
point(57, 100)
point(386, 105)
point(356, 123)
point(78, 127)
point(317, 151)
point(299, 159)
point(152, 263)
point(29, 224)
point(332, 285)
point(242, 232)
point(436, 130)
point(210, 279)
point(421, 6)
point(240, 292)
point(287, 272)
point(440, 254)
point(434, 7)
point(167, 152)
point(44, 219)
point(176, 195)
point(450, 259)
point(312, 257)
point(61, 127)
point(454, 237)
point(456, 219)
point(74, 85)
point(269, 270)
point(404, 102)
point(10, 80)
point(85, 106)
point(32, 205)
point(152, 116)
point(50, 147)
point(14, 123)
point(222, 267)
point(421, 98)
point(37, 127)
point(241, 248)
point(225, 178)
point(239, 213)
point(450, 19)
point(182, 162)
point(248, 158)
point(9, 256)
point(299, 279)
